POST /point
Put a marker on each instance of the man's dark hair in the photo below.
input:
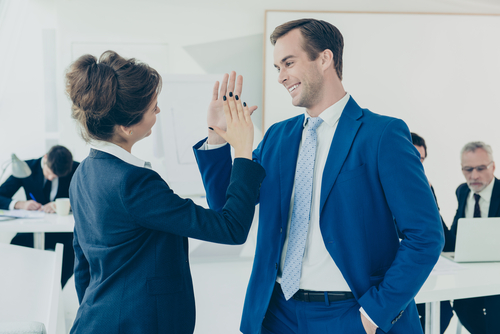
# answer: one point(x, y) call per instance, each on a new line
point(318, 36)
point(418, 141)
point(60, 160)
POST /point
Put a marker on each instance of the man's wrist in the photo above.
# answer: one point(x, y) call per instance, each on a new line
point(215, 139)
point(12, 205)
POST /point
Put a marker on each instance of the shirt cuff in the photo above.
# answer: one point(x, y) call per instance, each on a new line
point(12, 205)
point(367, 316)
point(206, 146)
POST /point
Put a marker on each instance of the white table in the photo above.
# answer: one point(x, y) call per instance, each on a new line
point(474, 280)
point(51, 222)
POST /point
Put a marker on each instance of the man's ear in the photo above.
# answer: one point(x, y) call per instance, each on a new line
point(326, 59)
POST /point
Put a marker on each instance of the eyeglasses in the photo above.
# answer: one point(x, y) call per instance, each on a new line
point(479, 169)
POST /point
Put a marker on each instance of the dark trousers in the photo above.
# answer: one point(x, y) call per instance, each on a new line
point(446, 315)
point(51, 239)
point(292, 316)
point(479, 315)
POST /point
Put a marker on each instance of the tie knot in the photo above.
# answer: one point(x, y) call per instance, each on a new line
point(477, 197)
point(313, 123)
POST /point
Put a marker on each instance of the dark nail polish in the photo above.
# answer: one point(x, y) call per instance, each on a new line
point(244, 104)
point(230, 94)
point(211, 128)
point(224, 97)
point(236, 97)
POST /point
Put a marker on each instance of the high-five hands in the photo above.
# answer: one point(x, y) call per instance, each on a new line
point(239, 127)
point(216, 116)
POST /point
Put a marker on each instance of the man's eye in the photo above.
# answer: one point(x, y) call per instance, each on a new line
point(480, 168)
point(289, 64)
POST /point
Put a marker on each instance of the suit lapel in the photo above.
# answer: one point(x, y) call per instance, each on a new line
point(345, 133)
point(463, 201)
point(289, 151)
point(495, 199)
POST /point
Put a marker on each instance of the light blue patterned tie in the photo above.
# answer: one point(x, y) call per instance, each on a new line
point(299, 224)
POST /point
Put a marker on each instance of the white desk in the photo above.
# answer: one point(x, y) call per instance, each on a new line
point(474, 280)
point(50, 223)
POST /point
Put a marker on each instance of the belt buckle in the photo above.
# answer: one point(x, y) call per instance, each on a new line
point(306, 297)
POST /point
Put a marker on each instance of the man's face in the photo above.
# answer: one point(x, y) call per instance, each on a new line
point(483, 168)
point(47, 172)
point(300, 76)
point(421, 150)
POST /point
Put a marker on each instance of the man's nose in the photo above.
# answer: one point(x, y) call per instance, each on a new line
point(282, 77)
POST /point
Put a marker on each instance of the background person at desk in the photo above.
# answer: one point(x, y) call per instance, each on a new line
point(132, 268)
point(478, 197)
point(446, 309)
point(50, 178)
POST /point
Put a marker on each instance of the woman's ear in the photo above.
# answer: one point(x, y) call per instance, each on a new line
point(125, 130)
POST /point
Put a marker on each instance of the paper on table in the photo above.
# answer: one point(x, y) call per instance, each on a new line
point(22, 214)
point(446, 266)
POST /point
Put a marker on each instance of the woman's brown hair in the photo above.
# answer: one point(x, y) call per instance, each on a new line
point(109, 92)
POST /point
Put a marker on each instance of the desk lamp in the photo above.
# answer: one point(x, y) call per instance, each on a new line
point(20, 168)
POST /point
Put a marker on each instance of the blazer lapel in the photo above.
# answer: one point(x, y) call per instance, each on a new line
point(495, 199)
point(289, 151)
point(463, 201)
point(345, 133)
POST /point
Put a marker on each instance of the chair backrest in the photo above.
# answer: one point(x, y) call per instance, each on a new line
point(30, 285)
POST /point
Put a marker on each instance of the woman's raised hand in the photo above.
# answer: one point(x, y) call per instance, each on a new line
point(216, 116)
point(239, 132)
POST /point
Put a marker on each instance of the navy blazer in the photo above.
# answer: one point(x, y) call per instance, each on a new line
point(462, 193)
point(372, 176)
point(132, 268)
point(34, 184)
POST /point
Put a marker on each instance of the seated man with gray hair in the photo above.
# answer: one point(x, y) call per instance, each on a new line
point(478, 197)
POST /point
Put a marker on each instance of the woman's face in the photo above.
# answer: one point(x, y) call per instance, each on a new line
point(143, 129)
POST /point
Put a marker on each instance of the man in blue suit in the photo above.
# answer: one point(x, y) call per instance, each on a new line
point(50, 178)
point(328, 257)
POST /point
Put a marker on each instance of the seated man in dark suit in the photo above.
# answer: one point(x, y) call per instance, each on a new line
point(479, 197)
point(446, 310)
point(50, 178)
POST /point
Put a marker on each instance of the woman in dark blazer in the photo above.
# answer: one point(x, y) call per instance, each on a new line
point(132, 268)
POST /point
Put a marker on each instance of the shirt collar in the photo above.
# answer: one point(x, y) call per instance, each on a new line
point(331, 114)
point(486, 192)
point(120, 153)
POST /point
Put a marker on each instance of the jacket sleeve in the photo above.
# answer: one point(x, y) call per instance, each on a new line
point(151, 202)
point(81, 270)
point(412, 204)
point(7, 190)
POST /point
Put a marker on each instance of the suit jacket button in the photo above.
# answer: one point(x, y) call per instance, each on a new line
point(276, 266)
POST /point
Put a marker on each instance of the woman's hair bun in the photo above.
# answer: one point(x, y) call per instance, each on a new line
point(109, 92)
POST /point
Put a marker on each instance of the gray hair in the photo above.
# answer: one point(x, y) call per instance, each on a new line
point(474, 145)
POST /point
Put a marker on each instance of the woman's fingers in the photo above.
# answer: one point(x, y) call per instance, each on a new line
point(227, 110)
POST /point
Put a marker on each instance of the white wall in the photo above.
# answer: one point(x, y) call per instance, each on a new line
point(174, 23)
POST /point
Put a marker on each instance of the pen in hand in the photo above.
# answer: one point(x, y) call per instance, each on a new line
point(33, 197)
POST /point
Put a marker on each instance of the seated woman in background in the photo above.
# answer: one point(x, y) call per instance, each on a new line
point(132, 269)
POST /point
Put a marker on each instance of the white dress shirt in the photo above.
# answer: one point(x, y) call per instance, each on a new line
point(484, 201)
point(120, 153)
point(319, 271)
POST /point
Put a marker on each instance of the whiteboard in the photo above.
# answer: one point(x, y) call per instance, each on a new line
point(439, 73)
point(181, 123)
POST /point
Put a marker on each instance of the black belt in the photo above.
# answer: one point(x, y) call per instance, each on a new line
point(319, 296)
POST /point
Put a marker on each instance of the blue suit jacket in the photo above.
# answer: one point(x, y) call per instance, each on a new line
point(372, 175)
point(132, 268)
point(33, 184)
